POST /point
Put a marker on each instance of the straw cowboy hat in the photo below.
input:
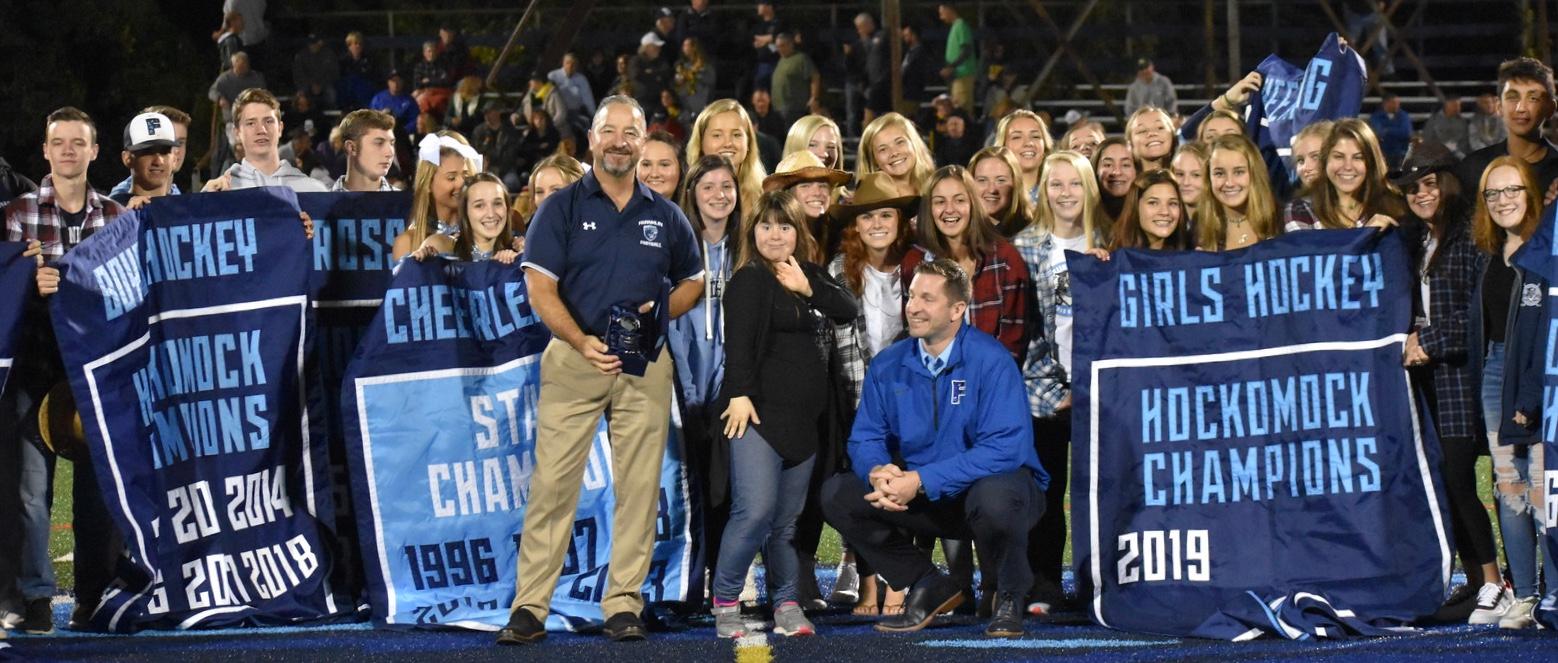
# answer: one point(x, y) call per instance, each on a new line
point(876, 192)
point(802, 166)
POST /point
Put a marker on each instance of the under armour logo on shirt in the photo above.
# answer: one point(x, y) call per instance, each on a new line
point(589, 225)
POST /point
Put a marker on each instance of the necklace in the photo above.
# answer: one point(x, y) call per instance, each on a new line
point(1245, 236)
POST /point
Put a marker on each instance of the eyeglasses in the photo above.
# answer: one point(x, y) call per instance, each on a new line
point(1491, 195)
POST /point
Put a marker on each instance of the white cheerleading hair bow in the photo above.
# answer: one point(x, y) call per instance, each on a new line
point(428, 150)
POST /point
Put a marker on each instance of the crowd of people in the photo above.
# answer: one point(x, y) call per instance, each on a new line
point(819, 320)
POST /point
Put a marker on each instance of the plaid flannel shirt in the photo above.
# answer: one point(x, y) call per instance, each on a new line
point(1046, 380)
point(1446, 336)
point(36, 216)
point(1000, 293)
point(848, 342)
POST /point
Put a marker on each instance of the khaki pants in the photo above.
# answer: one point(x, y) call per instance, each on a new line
point(573, 397)
point(962, 94)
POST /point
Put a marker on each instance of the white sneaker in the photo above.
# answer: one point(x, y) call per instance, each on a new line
point(749, 591)
point(1521, 614)
point(1493, 600)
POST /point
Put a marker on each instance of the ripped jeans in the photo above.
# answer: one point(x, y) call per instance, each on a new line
point(1517, 485)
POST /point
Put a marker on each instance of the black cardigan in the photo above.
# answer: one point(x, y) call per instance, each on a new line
point(772, 356)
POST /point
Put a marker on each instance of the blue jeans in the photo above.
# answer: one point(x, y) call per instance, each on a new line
point(1516, 491)
point(766, 498)
point(36, 576)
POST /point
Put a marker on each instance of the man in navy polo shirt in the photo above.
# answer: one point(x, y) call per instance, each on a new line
point(942, 446)
point(605, 240)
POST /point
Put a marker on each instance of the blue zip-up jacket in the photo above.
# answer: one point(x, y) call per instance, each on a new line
point(1525, 339)
point(968, 423)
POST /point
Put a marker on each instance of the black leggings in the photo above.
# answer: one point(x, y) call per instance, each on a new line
point(1047, 539)
point(1469, 520)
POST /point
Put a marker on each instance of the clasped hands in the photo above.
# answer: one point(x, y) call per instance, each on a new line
point(893, 488)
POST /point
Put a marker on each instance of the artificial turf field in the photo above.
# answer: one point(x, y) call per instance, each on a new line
point(841, 637)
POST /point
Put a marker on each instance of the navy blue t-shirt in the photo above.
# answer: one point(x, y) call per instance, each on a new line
point(600, 256)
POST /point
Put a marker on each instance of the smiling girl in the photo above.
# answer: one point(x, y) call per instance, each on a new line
point(1352, 190)
point(725, 129)
point(996, 171)
point(1240, 210)
point(890, 144)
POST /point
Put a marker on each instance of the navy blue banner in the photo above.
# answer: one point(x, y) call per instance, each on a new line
point(1265, 468)
point(354, 234)
point(1329, 87)
point(1540, 255)
point(185, 329)
point(440, 406)
point(16, 283)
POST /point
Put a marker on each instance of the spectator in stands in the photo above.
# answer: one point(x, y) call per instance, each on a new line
point(1525, 88)
point(229, 41)
point(797, 83)
point(499, 143)
point(954, 143)
point(233, 82)
point(960, 66)
point(871, 59)
point(765, 53)
point(649, 73)
point(252, 28)
point(148, 153)
point(698, 22)
point(368, 139)
point(918, 69)
point(623, 83)
point(665, 29)
point(600, 70)
point(257, 119)
point(570, 82)
point(465, 105)
point(1486, 127)
point(303, 113)
point(63, 212)
point(315, 69)
point(359, 76)
point(1394, 128)
point(453, 52)
point(394, 100)
point(543, 95)
point(765, 117)
point(299, 151)
point(538, 139)
point(427, 125)
point(1447, 128)
point(670, 116)
point(180, 123)
point(695, 78)
point(1150, 88)
point(431, 84)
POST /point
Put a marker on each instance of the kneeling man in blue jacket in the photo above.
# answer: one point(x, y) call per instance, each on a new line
point(942, 446)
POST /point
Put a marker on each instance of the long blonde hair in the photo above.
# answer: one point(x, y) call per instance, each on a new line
point(1018, 212)
point(865, 160)
point(423, 208)
point(750, 172)
point(802, 131)
point(1006, 123)
point(1260, 206)
point(1044, 217)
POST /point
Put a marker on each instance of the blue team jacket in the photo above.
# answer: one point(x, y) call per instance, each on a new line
point(967, 423)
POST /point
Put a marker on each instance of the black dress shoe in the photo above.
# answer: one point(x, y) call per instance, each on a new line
point(931, 596)
point(625, 626)
point(1007, 622)
point(523, 629)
